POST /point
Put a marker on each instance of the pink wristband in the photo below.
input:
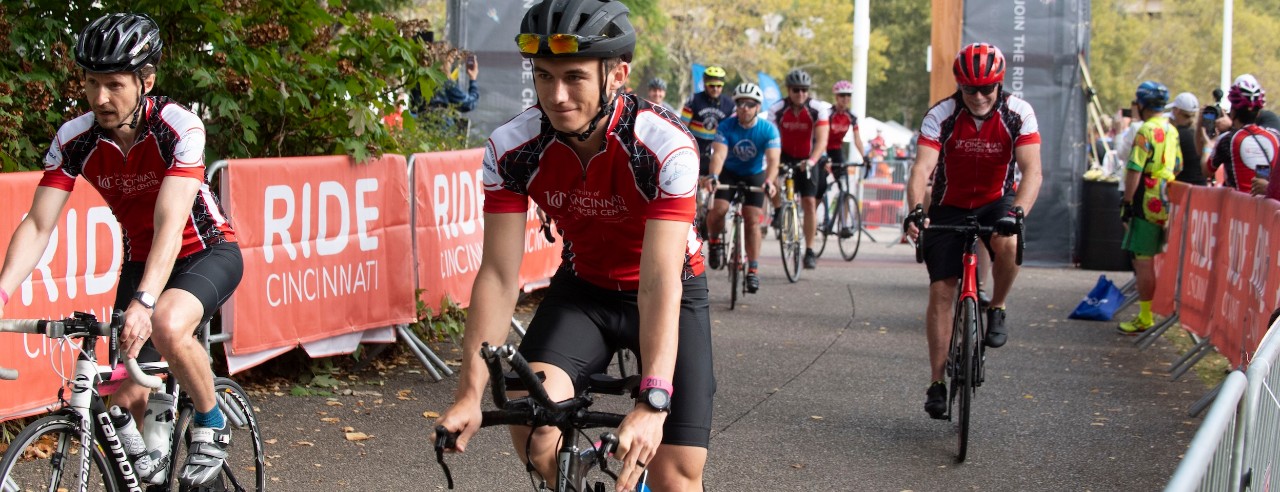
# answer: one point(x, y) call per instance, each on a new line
point(4, 297)
point(655, 382)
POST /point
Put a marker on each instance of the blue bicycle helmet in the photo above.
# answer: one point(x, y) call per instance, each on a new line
point(1152, 95)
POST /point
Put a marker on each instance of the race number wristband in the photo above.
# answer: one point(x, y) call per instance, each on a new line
point(655, 382)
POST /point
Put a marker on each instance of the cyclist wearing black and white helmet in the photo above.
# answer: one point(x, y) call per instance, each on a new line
point(706, 109)
point(617, 174)
point(658, 93)
point(145, 156)
point(804, 123)
point(746, 150)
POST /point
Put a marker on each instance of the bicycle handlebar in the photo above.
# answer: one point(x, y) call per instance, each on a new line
point(78, 326)
point(971, 227)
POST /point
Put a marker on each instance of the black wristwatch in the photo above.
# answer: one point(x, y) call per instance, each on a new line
point(145, 299)
point(657, 398)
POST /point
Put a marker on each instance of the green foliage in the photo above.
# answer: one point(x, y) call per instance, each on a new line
point(897, 80)
point(269, 78)
point(450, 323)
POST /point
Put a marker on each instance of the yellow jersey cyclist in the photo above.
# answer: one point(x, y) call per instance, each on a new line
point(971, 143)
point(704, 111)
point(145, 156)
point(746, 151)
point(617, 174)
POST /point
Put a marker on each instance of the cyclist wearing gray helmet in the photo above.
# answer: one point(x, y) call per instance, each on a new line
point(617, 174)
point(145, 156)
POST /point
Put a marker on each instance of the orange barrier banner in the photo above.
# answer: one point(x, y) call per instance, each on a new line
point(78, 272)
point(326, 246)
point(1237, 321)
point(1167, 263)
point(1199, 282)
point(449, 228)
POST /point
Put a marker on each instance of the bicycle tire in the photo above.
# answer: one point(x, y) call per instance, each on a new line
point(968, 374)
point(42, 457)
point(735, 262)
point(848, 226)
point(242, 471)
point(789, 242)
point(825, 218)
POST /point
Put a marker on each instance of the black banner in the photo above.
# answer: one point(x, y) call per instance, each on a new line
point(1041, 40)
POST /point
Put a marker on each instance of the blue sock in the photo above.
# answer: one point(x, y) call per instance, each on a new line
point(752, 265)
point(211, 419)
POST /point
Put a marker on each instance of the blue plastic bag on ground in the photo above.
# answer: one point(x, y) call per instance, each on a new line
point(1101, 303)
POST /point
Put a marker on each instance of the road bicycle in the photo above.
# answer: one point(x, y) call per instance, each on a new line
point(790, 239)
point(966, 357)
point(574, 462)
point(735, 229)
point(77, 448)
point(840, 214)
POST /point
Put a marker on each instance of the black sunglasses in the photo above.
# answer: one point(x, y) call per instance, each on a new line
point(747, 103)
point(975, 89)
point(797, 90)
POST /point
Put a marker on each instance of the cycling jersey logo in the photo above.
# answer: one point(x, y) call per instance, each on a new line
point(745, 150)
point(978, 146)
point(679, 174)
point(796, 125)
point(555, 199)
point(128, 184)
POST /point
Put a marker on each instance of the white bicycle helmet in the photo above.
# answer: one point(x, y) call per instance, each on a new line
point(748, 90)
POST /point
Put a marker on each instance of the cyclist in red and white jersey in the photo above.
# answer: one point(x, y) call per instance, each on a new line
point(972, 143)
point(843, 121)
point(1247, 150)
point(617, 174)
point(804, 123)
point(145, 156)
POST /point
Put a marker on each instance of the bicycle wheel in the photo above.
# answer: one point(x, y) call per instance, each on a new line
point(245, 468)
point(849, 226)
point(963, 381)
point(735, 262)
point(823, 213)
point(47, 455)
point(789, 242)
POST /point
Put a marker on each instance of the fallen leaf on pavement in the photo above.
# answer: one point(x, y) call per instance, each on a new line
point(431, 415)
point(331, 420)
point(304, 443)
point(357, 436)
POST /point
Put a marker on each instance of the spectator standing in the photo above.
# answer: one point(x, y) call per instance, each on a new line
point(1186, 110)
point(451, 94)
point(1154, 160)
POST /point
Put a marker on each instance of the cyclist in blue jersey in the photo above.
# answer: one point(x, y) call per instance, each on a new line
point(706, 109)
point(747, 150)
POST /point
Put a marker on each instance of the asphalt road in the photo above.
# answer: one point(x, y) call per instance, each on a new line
point(821, 387)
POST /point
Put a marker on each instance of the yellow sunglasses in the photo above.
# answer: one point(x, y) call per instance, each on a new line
point(559, 44)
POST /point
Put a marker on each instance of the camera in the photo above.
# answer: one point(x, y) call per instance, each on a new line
point(1210, 115)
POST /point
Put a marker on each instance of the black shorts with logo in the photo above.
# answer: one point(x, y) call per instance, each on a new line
point(580, 326)
point(753, 198)
point(211, 275)
point(943, 250)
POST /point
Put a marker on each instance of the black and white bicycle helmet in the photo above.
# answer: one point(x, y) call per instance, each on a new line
point(119, 43)
point(603, 22)
point(799, 78)
point(747, 90)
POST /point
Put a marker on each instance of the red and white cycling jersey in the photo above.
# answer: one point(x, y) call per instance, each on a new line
point(648, 169)
point(842, 122)
point(976, 157)
point(1243, 151)
point(170, 143)
point(796, 125)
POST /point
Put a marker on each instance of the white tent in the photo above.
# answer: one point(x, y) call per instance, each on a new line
point(894, 133)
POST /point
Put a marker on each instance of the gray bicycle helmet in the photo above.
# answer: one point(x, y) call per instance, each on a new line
point(799, 78)
point(602, 25)
point(657, 83)
point(119, 43)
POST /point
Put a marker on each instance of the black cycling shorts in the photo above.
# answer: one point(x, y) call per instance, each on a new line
point(580, 326)
point(943, 250)
point(808, 184)
point(211, 275)
point(753, 198)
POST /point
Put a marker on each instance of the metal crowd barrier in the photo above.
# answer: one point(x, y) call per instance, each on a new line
point(884, 195)
point(1238, 445)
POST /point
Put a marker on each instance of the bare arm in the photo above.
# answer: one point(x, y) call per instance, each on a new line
point(173, 209)
point(1028, 157)
point(493, 300)
point(926, 161)
point(719, 152)
point(820, 143)
point(658, 299)
point(772, 159)
point(31, 238)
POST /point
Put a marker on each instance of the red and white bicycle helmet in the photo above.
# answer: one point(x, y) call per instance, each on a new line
point(1246, 93)
point(842, 87)
point(979, 64)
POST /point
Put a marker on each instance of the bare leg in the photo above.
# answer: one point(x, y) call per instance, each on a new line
point(938, 319)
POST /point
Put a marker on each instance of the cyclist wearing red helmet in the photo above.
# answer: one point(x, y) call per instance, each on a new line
point(617, 174)
point(1247, 150)
point(970, 143)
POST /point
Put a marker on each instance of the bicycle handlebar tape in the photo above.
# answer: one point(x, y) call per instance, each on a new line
point(497, 382)
point(445, 440)
point(1020, 216)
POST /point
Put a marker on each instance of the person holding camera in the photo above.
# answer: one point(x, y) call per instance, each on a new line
point(1248, 150)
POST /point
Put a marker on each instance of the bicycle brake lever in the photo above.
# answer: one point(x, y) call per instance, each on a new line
point(445, 440)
